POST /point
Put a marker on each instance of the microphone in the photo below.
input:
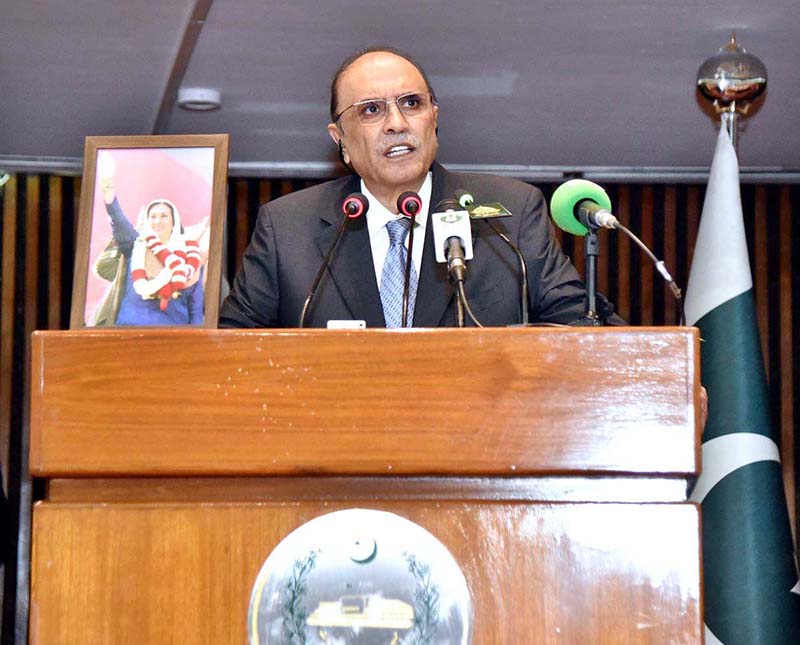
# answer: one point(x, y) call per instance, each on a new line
point(452, 239)
point(353, 207)
point(579, 205)
point(408, 205)
point(466, 200)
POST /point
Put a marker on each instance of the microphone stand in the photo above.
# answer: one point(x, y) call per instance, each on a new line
point(318, 278)
point(591, 250)
point(459, 308)
point(409, 260)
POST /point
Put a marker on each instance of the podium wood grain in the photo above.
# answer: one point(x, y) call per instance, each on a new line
point(547, 574)
point(551, 462)
point(369, 402)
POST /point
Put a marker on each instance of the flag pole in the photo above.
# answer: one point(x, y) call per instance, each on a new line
point(732, 81)
point(751, 593)
point(729, 119)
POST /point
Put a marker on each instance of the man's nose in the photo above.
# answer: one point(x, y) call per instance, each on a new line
point(395, 119)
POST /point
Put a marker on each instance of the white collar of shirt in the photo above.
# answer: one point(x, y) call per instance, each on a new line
point(377, 218)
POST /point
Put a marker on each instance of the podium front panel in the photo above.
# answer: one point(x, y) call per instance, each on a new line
point(538, 573)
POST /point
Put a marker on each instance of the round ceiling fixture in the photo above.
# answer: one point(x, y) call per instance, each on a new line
point(199, 99)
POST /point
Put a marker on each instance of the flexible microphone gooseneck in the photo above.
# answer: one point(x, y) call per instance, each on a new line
point(353, 207)
point(408, 205)
point(466, 199)
point(580, 206)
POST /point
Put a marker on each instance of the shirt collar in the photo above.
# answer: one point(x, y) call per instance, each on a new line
point(378, 215)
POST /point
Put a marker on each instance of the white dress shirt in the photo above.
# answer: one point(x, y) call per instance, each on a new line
point(377, 218)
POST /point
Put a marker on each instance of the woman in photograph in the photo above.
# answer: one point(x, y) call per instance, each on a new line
point(156, 267)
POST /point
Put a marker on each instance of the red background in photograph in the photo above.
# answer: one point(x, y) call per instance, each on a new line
point(182, 175)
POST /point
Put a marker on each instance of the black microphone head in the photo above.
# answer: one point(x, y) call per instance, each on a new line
point(464, 198)
point(409, 204)
point(447, 205)
point(355, 205)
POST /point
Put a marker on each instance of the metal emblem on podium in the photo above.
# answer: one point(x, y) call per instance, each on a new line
point(360, 577)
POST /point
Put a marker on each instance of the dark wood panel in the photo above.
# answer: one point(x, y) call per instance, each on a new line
point(787, 337)
point(8, 368)
point(647, 235)
point(260, 489)
point(242, 230)
point(671, 313)
point(55, 216)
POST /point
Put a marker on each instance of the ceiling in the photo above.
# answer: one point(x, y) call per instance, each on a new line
point(526, 87)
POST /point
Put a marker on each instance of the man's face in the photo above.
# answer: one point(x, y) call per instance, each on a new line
point(159, 217)
point(395, 154)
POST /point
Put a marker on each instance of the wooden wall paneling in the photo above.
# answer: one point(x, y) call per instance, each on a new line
point(40, 299)
point(242, 230)
point(55, 217)
point(73, 240)
point(32, 188)
point(9, 386)
point(759, 252)
point(264, 192)
point(694, 205)
point(786, 335)
point(659, 305)
point(33, 269)
point(648, 213)
point(7, 317)
point(671, 314)
point(624, 257)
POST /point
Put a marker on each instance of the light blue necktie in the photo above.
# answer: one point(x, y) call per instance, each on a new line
point(393, 276)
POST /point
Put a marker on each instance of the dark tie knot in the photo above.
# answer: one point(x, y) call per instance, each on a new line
point(398, 229)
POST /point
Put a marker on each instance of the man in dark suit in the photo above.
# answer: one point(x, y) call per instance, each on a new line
point(384, 121)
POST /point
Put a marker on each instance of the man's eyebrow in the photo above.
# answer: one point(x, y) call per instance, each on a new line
point(383, 98)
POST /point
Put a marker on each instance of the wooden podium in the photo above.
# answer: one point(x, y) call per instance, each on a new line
point(552, 463)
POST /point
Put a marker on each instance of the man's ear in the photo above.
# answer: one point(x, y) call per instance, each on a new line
point(336, 134)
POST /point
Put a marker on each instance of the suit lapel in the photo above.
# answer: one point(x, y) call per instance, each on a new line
point(351, 268)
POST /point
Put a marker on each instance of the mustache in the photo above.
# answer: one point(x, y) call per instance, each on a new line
point(401, 139)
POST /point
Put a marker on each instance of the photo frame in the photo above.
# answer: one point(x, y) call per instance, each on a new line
point(150, 231)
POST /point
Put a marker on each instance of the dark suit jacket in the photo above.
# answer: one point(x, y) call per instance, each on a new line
point(293, 234)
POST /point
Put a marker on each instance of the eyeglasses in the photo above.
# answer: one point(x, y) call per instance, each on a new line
point(373, 111)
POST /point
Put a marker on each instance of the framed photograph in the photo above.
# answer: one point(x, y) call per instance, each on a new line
point(150, 229)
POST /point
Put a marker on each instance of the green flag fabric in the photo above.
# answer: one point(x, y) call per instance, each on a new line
point(751, 591)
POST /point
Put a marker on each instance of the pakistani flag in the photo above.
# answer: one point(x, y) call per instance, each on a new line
point(750, 573)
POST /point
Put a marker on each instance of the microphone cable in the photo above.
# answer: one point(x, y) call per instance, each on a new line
point(660, 267)
point(466, 199)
